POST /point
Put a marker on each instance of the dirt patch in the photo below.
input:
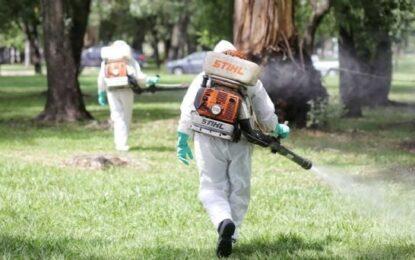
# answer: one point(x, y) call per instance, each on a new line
point(99, 125)
point(96, 162)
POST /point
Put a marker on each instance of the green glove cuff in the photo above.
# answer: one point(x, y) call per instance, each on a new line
point(102, 98)
point(152, 80)
point(183, 150)
point(281, 130)
point(182, 139)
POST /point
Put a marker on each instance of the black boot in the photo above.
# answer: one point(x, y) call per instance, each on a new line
point(226, 229)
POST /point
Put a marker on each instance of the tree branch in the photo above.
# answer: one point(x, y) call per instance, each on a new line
point(320, 9)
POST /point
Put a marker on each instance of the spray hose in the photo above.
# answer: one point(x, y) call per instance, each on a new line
point(259, 138)
point(153, 87)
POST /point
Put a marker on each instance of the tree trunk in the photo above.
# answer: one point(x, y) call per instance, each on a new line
point(265, 30)
point(139, 36)
point(174, 47)
point(27, 53)
point(350, 84)
point(154, 45)
point(179, 37)
point(191, 44)
point(78, 11)
point(62, 53)
point(318, 13)
point(381, 68)
point(365, 80)
point(365, 46)
point(33, 38)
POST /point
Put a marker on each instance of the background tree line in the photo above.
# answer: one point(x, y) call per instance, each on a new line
point(281, 35)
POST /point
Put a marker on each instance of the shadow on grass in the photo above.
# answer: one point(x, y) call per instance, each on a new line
point(153, 148)
point(27, 248)
point(28, 129)
point(283, 245)
point(399, 88)
point(389, 252)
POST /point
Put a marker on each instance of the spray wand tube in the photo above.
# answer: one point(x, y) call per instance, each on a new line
point(153, 88)
point(276, 147)
point(259, 138)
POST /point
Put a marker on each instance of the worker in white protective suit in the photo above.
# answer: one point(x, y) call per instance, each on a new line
point(113, 82)
point(225, 166)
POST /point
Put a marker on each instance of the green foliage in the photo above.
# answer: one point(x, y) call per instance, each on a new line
point(327, 27)
point(132, 19)
point(213, 21)
point(13, 16)
point(12, 36)
point(369, 20)
point(303, 11)
point(18, 11)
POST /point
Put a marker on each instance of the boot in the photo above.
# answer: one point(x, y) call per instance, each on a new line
point(226, 229)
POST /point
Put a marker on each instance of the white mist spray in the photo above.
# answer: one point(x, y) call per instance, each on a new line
point(391, 200)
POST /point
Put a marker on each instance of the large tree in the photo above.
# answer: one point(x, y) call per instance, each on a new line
point(64, 25)
point(319, 9)
point(265, 29)
point(366, 33)
point(25, 14)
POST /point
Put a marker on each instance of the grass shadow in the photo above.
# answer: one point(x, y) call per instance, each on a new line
point(153, 148)
point(283, 245)
point(389, 252)
point(28, 248)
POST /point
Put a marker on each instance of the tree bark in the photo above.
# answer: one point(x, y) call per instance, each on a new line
point(381, 67)
point(319, 11)
point(350, 87)
point(32, 35)
point(78, 11)
point(154, 45)
point(265, 30)
point(179, 37)
point(365, 47)
point(365, 80)
point(62, 47)
point(139, 35)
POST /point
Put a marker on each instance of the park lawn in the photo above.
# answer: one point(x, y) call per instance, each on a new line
point(149, 208)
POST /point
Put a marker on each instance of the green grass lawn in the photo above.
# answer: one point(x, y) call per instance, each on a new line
point(149, 208)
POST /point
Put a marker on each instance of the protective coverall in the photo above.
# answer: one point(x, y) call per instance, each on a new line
point(224, 166)
point(121, 100)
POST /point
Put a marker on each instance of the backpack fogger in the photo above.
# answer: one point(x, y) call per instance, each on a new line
point(223, 108)
point(116, 66)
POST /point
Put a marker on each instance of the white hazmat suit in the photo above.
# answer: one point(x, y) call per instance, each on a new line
point(224, 166)
point(121, 100)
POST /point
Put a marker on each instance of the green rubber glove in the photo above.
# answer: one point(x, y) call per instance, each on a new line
point(183, 149)
point(102, 98)
point(282, 130)
point(153, 80)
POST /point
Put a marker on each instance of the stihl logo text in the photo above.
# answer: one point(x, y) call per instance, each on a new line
point(212, 124)
point(220, 64)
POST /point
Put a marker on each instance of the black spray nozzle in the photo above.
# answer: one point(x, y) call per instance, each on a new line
point(259, 138)
point(276, 147)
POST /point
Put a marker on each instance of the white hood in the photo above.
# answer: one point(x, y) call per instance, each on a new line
point(224, 46)
point(117, 50)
